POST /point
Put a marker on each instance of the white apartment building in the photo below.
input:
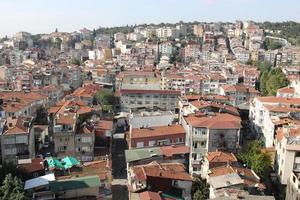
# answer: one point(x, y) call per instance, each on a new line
point(207, 133)
point(167, 32)
point(293, 187)
point(266, 114)
point(241, 54)
point(163, 99)
point(17, 140)
point(287, 159)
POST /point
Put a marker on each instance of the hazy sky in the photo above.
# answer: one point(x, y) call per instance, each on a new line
point(43, 16)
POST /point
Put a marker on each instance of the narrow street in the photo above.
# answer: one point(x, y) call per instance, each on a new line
point(119, 184)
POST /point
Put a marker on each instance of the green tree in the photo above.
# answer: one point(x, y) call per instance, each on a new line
point(264, 66)
point(255, 159)
point(75, 61)
point(200, 189)
point(57, 43)
point(12, 188)
point(41, 116)
point(272, 81)
point(275, 45)
point(263, 81)
point(106, 99)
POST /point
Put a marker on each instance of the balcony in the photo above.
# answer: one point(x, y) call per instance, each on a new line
point(200, 137)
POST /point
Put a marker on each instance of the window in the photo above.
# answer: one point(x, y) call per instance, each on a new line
point(151, 143)
point(195, 145)
point(22, 139)
point(86, 139)
point(10, 151)
point(140, 144)
point(86, 149)
point(9, 140)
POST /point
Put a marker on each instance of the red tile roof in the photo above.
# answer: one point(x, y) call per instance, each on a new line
point(156, 131)
point(169, 151)
point(288, 90)
point(147, 195)
point(36, 165)
point(219, 156)
point(175, 171)
point(279, 100)
point(215, 121)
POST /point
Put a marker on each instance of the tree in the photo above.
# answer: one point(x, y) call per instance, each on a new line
point(200, 189)
point(275, 81)
point(57, 43)
point(271, 81)
point(75, 61)
point(255, 159)
point(264, 66)
point(106, 98)
point(41, 116)
point(12, 188)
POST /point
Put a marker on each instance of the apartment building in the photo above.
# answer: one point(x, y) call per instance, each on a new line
point(68, 138)
point(199, 30)
point(170, 178)
point(156, 136)
point(210, 132)
point(151, 118)
point(144, 80)
point(287, 159)
point(19, 103)
point(238, 94)
point(268, 113)
point(84, 143)
point(217, 159)
point(163, 99)
point(17, 139)
point(167, 32)
point(293, 186)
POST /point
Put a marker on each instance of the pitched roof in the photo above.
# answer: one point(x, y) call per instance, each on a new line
point(156, 131)
point(249, 176)
point(169, 151)
point(20, 125)
point(214, 121)
point(282, 100)
point(35, 164)
point(175, 171)
point(219, 156)
point(239, 88)
point(207, 104)
point(147, 195)
point(287, 90)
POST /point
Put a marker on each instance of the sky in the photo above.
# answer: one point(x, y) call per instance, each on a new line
point(43, 16)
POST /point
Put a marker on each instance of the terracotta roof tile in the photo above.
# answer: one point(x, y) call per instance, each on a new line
point(215, 121)
point(219, 156)
point(175, 171)
point(156, 131)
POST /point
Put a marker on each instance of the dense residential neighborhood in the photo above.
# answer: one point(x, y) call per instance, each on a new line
point(184, 111)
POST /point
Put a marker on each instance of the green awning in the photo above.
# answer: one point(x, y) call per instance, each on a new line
point(66, 163)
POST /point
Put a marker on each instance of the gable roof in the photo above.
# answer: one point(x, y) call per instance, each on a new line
point(156, 131)
point(219, 156)
point(175, 171)
point(214, 121)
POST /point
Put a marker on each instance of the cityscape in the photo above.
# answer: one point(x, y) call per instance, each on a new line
point(185, 110)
